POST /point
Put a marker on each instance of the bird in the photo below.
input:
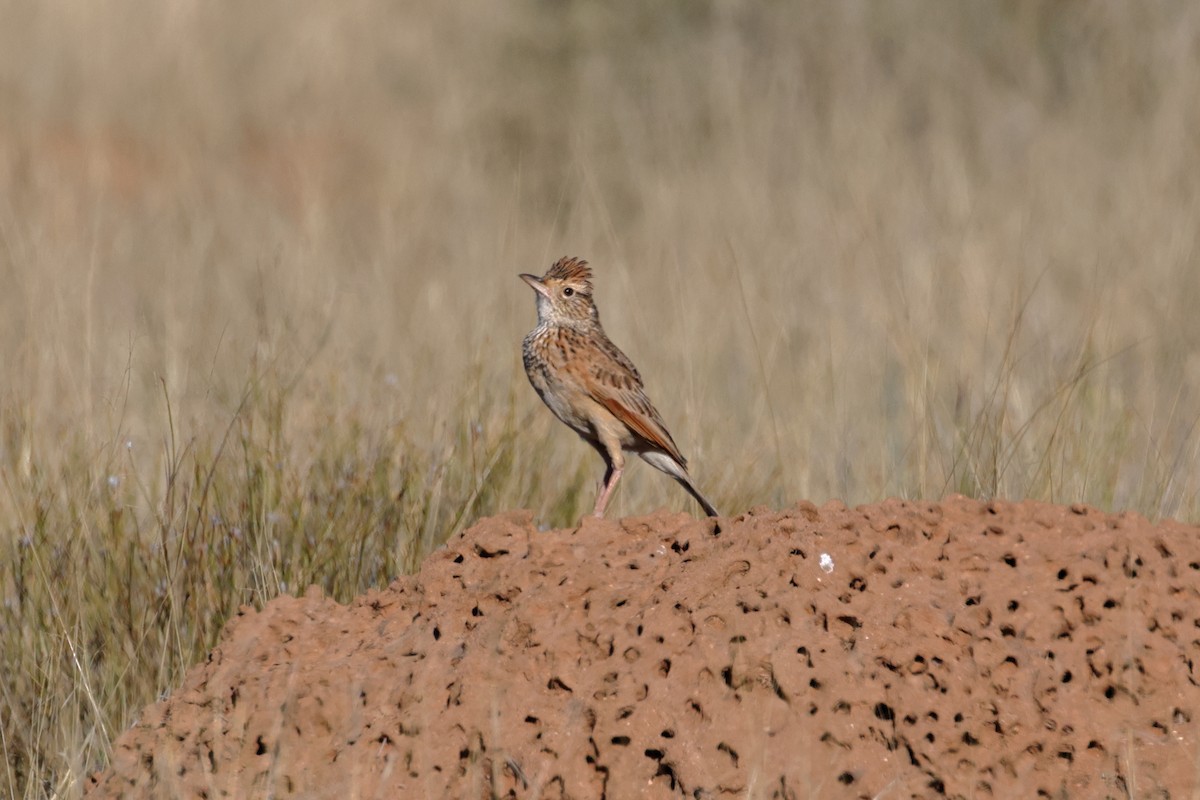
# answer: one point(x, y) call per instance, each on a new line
point(591, 385)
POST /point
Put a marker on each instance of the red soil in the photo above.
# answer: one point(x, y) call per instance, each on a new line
point(961, 649)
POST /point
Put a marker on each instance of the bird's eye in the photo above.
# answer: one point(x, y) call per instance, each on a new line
point(567, 292)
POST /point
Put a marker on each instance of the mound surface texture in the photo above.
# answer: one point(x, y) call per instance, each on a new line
point(898, 650)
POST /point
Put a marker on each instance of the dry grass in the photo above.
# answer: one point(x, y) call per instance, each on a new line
point(260, 320)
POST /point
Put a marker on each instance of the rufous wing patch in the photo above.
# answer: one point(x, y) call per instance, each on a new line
point(643, 425)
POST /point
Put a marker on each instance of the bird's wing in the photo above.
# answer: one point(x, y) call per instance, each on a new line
point(613, 381)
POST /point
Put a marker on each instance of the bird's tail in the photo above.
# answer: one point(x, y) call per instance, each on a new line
point(708, 507)
point(664, 462)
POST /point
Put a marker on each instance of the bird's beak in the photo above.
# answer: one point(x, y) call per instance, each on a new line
point(535, 283)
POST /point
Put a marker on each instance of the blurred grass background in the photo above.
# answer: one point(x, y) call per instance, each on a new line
point(260, 323)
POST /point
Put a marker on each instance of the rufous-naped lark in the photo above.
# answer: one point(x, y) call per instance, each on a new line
point(591, 385)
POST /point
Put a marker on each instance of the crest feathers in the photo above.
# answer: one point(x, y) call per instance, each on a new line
point(570, 268)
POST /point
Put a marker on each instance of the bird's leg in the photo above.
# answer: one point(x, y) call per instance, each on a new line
point(614, 460)
point(611, 476)
point(608, 471)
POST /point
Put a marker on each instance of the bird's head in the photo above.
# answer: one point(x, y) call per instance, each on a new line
point(564, 293)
